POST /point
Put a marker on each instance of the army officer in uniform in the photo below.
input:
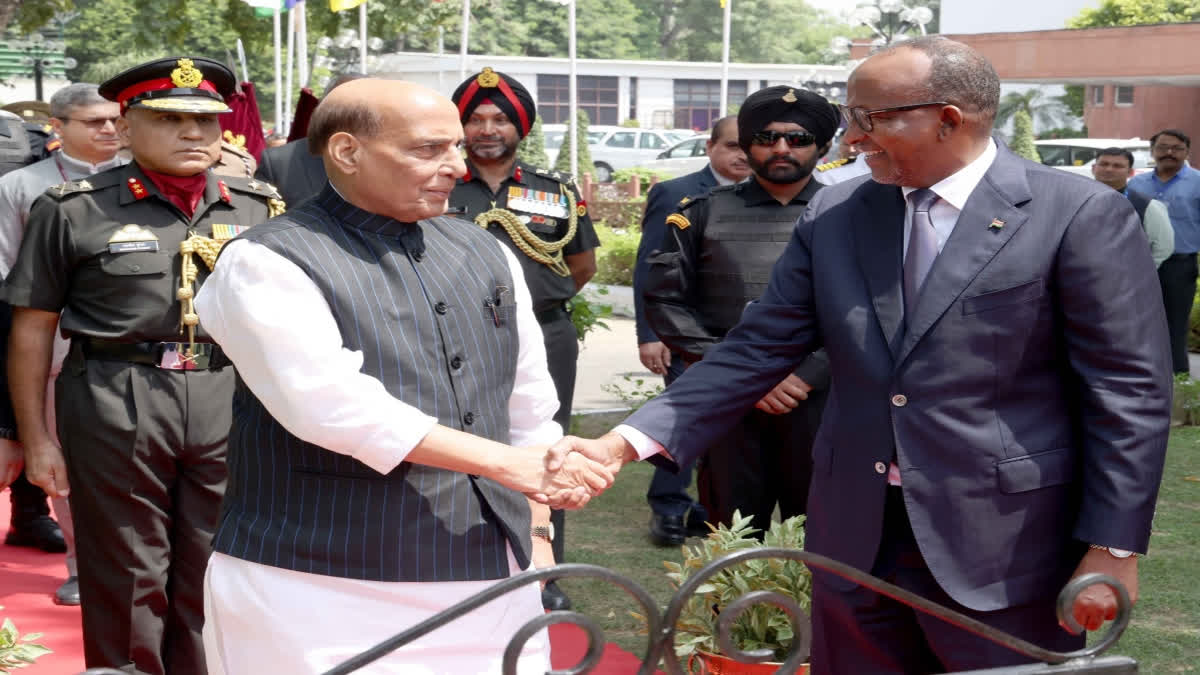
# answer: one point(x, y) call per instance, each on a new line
point(537, 213)
point(144, 397)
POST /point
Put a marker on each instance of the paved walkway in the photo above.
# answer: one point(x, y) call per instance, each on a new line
point(604, 358)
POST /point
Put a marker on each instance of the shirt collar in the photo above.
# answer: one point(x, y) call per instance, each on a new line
point(516, 174)
point(350, 215)
point(78, 165)
point(958, 186)
point(721, 180)
point(753, 193)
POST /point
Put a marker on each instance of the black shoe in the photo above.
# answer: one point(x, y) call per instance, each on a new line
point(667, 530)
point(68, 593)
point(553, 599)
point(37, 532)
point(697, 528)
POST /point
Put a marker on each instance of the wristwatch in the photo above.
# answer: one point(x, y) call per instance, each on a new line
point(1114, 552)
point(543, 531)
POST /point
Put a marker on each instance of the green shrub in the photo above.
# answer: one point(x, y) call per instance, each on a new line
point(622, 176)
point(617, 254)
point(583, 155)
point(588, 316)
point(1193, 338)
point(532, 149)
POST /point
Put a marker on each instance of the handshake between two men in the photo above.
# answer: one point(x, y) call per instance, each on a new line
point(577, 469)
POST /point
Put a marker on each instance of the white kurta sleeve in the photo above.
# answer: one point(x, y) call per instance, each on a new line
point(534, 401)
point(275, 325)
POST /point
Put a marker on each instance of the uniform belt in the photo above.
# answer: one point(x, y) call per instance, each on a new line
point(553, 314)
point(165, 355)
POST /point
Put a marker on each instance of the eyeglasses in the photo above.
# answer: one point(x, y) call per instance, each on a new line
point(862, 116)
point(1170, 148)
point(795, 139)
point(96, 122)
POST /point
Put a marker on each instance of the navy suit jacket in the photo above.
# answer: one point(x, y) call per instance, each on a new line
point(661, 201)
point(1027, 400)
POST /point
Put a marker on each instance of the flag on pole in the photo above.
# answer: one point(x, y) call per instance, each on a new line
point(339, 5)
point(265, 7)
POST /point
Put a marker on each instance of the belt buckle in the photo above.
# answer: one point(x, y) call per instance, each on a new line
point(173, 356)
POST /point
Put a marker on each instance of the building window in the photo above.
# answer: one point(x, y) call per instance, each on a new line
point(1098, 96)
point(697, 102)
point(632, 98)
point(597, 96)
point(1123, 95)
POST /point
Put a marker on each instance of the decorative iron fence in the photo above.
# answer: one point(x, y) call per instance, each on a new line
point(660, 640)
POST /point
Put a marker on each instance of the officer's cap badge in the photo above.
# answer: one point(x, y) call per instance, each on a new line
point(186, 75)
point(790, 96)
point(679, 220)
point(488, 78)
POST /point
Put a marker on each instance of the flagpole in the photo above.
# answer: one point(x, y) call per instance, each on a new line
point(302, 42)
point(441, 66)
point(464, 32)
point(291, 61)
point(573, 108)
point(278, 74)
point(362, 37)
point(725, 58)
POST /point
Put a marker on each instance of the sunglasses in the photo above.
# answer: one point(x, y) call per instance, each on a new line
point(795, 139)
point(862, 116)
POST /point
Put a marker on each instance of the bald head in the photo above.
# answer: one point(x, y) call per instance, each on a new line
point(390, 147)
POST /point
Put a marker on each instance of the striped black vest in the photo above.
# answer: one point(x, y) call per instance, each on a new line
point(420, 302)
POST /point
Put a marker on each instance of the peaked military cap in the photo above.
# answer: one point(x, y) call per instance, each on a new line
point(192, 85)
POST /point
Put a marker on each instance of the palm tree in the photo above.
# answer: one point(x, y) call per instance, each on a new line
point(1046, 111)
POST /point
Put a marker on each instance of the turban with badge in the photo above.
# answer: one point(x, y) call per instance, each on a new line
point(786, 104)
point(502, 91)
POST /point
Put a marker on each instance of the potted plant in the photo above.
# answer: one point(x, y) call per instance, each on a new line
point(762, 625)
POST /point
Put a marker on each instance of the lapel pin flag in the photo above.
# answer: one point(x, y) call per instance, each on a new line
point(996, 224)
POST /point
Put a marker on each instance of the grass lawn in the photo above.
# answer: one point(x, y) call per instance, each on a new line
point(1164, 636)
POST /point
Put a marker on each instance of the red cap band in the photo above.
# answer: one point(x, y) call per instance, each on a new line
point(157, 85)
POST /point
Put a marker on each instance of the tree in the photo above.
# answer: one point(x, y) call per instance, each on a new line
point(1137, 12)
point(1048, 111)
point(583, 154)
point(1022, 139)
point(1073, 99)
point(532, 149)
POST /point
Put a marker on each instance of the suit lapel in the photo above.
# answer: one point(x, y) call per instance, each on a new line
point(879, 236)
point(973, 243)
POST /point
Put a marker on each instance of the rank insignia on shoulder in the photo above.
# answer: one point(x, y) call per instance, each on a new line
point(679, 220)
point(685, 200)
point(72, 186)
point(224, 192)
point(832, 165)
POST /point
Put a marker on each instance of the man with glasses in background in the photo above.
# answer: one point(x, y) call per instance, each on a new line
point(717, 256)
point(85, 123)
point(1177, 185)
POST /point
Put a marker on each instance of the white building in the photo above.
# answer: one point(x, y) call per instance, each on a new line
point(658, 94)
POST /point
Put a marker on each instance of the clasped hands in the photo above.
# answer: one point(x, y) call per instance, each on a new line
point(574, 470)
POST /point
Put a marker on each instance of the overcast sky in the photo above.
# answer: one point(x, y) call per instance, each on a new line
point(833, 5)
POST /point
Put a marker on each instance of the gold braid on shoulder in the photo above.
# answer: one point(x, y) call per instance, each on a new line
point(548, 253)
point(207, 249)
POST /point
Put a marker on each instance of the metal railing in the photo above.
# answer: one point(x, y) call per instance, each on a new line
point(660, 640)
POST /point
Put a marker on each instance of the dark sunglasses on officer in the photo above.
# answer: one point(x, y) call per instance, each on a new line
point(795, 139)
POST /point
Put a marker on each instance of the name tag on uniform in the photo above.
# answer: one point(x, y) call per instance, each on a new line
point(131, 246)
point(130, 238)
point(551, 204)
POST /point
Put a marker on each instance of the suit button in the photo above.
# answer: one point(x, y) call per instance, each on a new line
point(456, 363)
point(440, 308)
point(469, 418)
point(899, 400)
point(418, 256)
point(135, 268)
point(881, 468)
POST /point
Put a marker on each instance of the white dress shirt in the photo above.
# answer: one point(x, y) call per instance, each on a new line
point(953, 192)
point(275, 325)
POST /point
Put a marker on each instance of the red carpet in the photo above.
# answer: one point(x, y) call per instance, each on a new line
point(28, 579)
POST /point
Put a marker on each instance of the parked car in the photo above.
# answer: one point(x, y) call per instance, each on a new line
point(687, 156)
point(624, 147)
point(555, 133)
point(1077, 154)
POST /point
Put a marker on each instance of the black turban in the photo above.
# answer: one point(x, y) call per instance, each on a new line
point(786, 104)
point(503, 91)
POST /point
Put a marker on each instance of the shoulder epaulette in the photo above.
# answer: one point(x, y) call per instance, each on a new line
point(102, 180)
point(555, 175)
point(253, 186)
point(832, 165)
point(691, 200)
